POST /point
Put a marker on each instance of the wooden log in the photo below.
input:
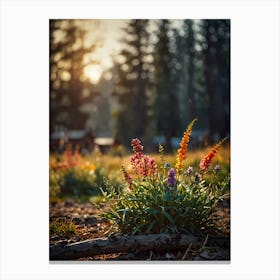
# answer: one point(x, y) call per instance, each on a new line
point(120, 244)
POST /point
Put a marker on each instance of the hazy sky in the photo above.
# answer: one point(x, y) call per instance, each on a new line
point(108, 34)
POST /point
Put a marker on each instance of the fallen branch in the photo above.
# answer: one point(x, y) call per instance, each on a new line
point(120, 244)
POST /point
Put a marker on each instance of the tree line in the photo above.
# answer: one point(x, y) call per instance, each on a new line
point(167, 73)
point(179, 74)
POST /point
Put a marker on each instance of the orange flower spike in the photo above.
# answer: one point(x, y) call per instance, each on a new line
point(182, 151)
point(206, 161)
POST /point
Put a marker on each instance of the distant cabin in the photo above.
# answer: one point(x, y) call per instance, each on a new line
point(81, 139)
point(104, 143)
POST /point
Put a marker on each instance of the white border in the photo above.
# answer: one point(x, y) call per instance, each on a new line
point(254, 135)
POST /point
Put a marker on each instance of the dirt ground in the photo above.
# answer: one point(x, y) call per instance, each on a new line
point(89, 226)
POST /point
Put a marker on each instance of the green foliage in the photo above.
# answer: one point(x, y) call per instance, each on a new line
point(221, 188)
point(156, 208)
point(63, 227)
point(77, 182)
point(54, 195)
point(157, 200)
point(74, 183)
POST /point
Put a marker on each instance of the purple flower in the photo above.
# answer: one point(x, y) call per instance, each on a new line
point(197, 177)
point(216, 169)
point(189, 171)
point(171, 177)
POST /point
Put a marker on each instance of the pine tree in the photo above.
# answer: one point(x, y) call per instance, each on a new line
point(132, 82)
point(186, 75)
point(217, 75)
point(166, 102)
point(67, 52)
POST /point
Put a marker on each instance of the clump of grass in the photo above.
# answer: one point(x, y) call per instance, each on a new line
point(77, 177)
point(54, 194)
point(63, 227)
point(161, 199)
point(77, 182)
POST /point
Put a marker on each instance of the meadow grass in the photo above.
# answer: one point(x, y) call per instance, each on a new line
point(83, 181)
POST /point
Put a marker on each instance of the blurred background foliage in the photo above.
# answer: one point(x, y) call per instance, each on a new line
point(140, 78)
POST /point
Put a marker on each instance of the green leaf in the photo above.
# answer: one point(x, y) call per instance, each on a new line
point(151, 226)
point(136, 229)
point(170, 219)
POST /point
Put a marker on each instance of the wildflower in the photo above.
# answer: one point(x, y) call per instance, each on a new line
point(70, 160)
point(76, 156)
point(171, 177)
point(137, 156)
point(135, 161)
point(152, 166)
point(136, 145)
point(87, 166)
point(144, 166)
point(161, 155)
point(206, 161)
point(127, 177)
point(147, 166)
point(141, 164)
point(189, 171)
point(167, 165)
point(181, 154)
point(216, 169)
point(197, 177)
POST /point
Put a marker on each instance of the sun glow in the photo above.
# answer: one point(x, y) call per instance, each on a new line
point(93, 72)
